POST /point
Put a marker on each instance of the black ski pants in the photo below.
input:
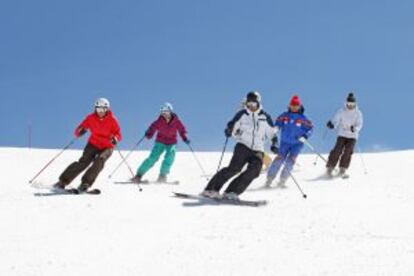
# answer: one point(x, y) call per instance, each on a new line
point(342, 152)
point(242, 155)
point(91, 154)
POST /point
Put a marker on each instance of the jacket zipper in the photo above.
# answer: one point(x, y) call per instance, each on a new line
point(254, 130)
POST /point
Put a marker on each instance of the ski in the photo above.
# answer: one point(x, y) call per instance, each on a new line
point(148, 182)
point(241, 202)
point(67, 191)
point(143, 182)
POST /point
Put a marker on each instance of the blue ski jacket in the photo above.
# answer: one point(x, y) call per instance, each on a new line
point(294, 125)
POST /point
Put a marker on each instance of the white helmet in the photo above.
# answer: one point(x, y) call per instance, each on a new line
point(166, 107)
point(102, 102)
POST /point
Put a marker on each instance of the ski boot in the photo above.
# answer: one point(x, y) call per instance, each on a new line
point(58, 186)
point(137, 179)
point(282, 184)
point(231, 196)
point(342, 173)
point(211, 194)
point(329, 172)
point(83, 188)
point(162, 179)
point(268, 182)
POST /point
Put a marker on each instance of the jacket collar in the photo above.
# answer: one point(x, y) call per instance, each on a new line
point(173, 118)
point(257, 112)
point(109, 114)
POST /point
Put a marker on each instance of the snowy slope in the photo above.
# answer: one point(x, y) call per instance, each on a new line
point(360, 226)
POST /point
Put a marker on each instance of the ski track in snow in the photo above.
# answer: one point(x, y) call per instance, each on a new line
point(359, 226)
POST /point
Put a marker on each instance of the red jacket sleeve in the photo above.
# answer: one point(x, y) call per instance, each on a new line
point(84, 125)
point(182, 130)
point(152, 129)
point(117, 129)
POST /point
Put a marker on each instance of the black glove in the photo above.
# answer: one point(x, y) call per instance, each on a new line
point(352, 129)
point(187, 141)
point(228, 132)
point(82, 131)
point(114, 141)
point(330, 125)
point(274, 149)
point(147, 134)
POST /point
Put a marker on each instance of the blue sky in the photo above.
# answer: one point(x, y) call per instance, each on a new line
point(56, 57)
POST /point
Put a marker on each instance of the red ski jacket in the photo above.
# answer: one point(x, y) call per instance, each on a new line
point(102, 130)
point(167, 132)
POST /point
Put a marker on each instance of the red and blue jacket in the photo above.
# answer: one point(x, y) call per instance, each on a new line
point(294, 125)
point(167, 132)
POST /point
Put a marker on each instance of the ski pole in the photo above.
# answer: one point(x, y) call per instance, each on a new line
point(129, 167)
point(53, 159)
point(306, 142)
point(363, 161)
point(325, 133)
point(222, 154)
point(198, 161)
point(126, 157)
point(297, 185)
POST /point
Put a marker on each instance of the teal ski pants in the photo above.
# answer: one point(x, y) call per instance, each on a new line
point(157, 151)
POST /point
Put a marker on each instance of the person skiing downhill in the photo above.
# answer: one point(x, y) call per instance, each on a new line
point(105, 134)
point(348, 122)
point(166, 127)
point(250, 127)
point(294, 127)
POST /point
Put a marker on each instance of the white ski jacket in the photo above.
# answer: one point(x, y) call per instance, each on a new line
point(252, 129)
point(344, 119)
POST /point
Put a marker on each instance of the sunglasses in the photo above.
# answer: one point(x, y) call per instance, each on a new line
point(101, 109)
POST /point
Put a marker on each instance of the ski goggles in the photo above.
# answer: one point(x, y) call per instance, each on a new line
point(101, 109)
point(350, 105)
point(166, 112)
point(252, 104)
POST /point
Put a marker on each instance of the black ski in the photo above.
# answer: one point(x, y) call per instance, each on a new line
point(240, 202)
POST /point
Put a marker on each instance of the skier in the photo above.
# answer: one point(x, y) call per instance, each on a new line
point(250, 127)
point(295, 128)
point(348, 122)
point(105, 134)
point(166, 126)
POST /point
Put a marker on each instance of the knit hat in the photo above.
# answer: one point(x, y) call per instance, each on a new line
point(351, 98)
point(295, 100)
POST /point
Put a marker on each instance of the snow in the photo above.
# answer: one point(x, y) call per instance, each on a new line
point(360, 226)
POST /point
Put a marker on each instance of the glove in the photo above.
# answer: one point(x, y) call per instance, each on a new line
point(228, 132)
point(114, 141)
point(147, 134)
point(330, 125)
point(274, 149)
point(302, 139)
point(81, 131)
point(187, 141)
point(238, 132)
point(352, 129)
